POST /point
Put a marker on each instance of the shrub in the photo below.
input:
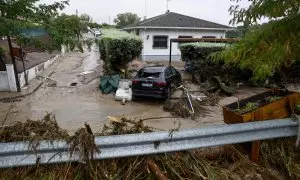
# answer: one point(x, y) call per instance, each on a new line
point(118, 48)
point(199, 51)
point(199, 61)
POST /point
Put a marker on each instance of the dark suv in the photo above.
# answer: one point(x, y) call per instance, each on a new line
point(155, 81)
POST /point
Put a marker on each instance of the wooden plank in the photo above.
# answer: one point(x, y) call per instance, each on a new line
point(254, 157)
point(230, 117)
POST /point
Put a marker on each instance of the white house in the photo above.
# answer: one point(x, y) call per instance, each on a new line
point(156, 33)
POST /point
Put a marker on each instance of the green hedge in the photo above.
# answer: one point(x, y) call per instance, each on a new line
point(199, 51)
point(118, 48)
point(198, 61)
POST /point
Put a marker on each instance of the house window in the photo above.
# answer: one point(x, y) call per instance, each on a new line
point(183, 37)
point(160, 42)
point(212, 37)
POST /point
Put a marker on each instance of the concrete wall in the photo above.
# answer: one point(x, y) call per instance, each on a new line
point(34, 71)
point(150, 53)
point(4, 86)
point(7, 79)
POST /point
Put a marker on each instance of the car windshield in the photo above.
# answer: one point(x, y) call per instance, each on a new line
point(150, 75)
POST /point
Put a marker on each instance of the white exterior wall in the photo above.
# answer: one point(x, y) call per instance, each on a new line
point(150, 53)
point(34, 71)
point(4, 86)
point(11, 78)
point(7, 78)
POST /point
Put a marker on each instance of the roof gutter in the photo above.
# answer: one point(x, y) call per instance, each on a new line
point(185, 28)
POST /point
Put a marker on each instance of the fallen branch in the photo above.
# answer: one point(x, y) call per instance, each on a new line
point(167, 117)
point(155, 169)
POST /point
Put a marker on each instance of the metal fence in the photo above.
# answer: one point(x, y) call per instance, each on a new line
point(20, 154)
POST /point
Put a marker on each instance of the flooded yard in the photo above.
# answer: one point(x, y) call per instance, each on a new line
point(75, 98)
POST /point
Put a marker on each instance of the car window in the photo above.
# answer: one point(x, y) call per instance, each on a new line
point(154, 75)
point(168, 72)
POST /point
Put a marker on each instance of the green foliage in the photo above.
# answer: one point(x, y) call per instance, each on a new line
point(89, 42)
point(107, 26)
point(271, 99)
point(126, 19)
point(85, 20)
point(94, 25)
point(65, 29)
point(17, 14)
point(297, 109)
point(1, 51)
point(199, 51)
point(269, 47)
point(118, 48)
point(263, 9)
point(237, 32)
point(250, 106)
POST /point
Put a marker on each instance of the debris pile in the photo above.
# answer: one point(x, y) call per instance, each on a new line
point(83, 142)
point(44, 129)
point(280, 159)
point(215, 84)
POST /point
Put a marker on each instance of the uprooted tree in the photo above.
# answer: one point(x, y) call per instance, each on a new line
point(270, 47)
point(118, 48)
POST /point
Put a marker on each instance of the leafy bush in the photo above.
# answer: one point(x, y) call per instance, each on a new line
point(118, 48)
point(266, 49)
point(1, 51)
point(198, 61)
point(199, 51)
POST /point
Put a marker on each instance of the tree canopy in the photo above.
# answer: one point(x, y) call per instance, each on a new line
point(65, 29)
point(267, 48)
point(126, 19)
point(18, 14)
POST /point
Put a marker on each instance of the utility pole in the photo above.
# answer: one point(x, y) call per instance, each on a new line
point(145, 17)
point(24, 68)
point(14, 64)
point(167, 5)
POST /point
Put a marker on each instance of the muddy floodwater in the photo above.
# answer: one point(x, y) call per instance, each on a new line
point(76, 99)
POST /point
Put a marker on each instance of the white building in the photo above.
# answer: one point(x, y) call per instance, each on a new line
point(156, 33)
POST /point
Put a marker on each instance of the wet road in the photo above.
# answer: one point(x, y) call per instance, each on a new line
point(74, 105)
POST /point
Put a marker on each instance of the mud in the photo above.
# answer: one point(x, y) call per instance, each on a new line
point(74, 105)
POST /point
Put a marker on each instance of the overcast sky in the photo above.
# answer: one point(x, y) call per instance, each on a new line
point(103, 10)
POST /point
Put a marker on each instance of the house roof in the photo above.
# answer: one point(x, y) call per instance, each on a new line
point(175, 20)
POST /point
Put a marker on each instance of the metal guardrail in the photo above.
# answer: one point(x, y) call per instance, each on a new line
point(18, 153)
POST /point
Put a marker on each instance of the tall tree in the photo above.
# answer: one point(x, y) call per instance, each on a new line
point(271, 46)
point(126, 19)
point(18, 14)
point(66, 30)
